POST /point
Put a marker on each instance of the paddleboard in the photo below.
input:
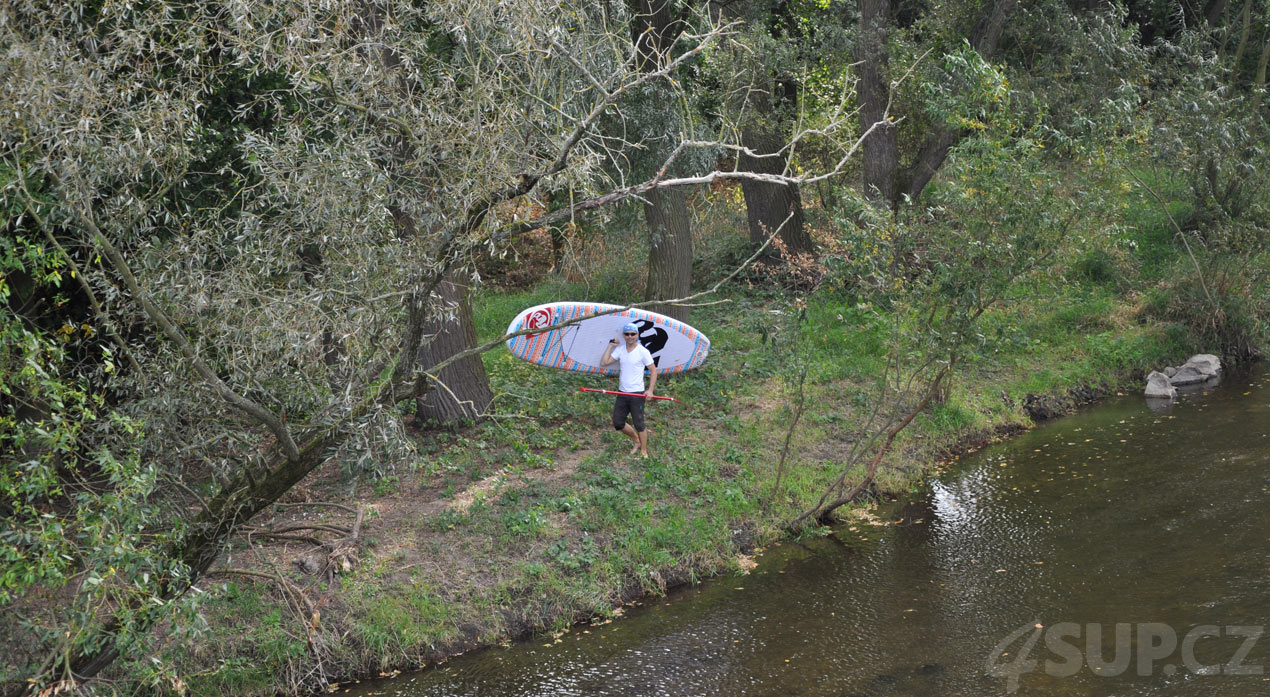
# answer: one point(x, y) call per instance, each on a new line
point(675, 346)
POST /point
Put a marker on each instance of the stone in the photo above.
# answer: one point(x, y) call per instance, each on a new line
point(1170, 371)
point(1205, 363)
point(1159, 387)
point(1188, 375)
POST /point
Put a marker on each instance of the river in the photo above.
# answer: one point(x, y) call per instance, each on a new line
point(1119, 551)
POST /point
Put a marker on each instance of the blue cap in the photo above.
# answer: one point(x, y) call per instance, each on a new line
point(630, 327)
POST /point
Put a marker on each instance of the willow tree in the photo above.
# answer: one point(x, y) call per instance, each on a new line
point(655, 27)
point(885, 173)
point(278, 323)
point(791, 68)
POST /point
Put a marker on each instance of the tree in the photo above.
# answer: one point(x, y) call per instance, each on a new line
point(1001, 219)
point(880, 158)
point(278, 324)
point(766, 94)
point(655, 27)
point(461, 390)
point(882, 172)
point(246, 323)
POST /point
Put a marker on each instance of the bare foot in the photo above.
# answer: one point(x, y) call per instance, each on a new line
point(643, 454)
point(635, 449)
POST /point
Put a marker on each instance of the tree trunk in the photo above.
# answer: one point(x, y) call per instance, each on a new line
point(987, 31)
point(1259, 82)
point(1245, 20)
point(769, 100)
point(1214, 11)
point(654, 27)
point(767, 206)
point(669, 249)
point(462, 388)
point(930, 157)
point(879, 156)
point(468, 394)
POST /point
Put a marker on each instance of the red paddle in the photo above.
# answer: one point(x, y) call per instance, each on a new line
point(629, 394)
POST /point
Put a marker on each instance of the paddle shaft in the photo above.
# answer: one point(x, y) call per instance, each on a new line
point(629, 394)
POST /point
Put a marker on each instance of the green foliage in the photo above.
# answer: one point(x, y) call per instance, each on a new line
point(1080, 72)
point(1025, 260)
point(411, 616)
point(1224, 306)
point(524, 523)
point(1209, 133)
point(77, 500)
point(966, 92)
point(572, 559)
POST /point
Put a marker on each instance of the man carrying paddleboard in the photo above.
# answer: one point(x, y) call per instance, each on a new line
point(631, 360)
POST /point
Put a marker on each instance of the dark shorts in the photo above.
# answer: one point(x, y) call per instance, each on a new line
point(624, 405)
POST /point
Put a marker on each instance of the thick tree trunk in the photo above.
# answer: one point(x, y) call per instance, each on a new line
point(654, 26)
point(987, 31)
point(461, 390)
point(1214, 11)
point(464, 390)
point(767, 206)
point(669, 249)
point(769, 101)
point(879, 156)
point(930, 157)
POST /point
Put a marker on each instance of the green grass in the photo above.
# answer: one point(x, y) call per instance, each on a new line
point(568, 549)
point(551, 543)
point(408, 617)
point(548, 553)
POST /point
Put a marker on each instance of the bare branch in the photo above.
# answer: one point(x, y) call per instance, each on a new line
point(284, 506)
point(570, 211)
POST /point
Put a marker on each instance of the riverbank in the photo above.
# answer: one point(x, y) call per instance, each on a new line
point(1120, 511)
point(538, 519)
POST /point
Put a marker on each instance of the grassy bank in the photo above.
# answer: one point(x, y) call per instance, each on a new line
point(537, 518)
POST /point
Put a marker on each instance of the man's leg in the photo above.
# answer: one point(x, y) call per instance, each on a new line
point(634, 436)
point(621, 407)
point(641, 433)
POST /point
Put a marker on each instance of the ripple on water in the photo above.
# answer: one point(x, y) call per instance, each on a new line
point(1118, 514)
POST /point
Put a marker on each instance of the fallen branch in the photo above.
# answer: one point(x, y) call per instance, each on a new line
point(293, 538)
point(295, 597)
point(283, 506)
point(321, 527)
point(337, 556)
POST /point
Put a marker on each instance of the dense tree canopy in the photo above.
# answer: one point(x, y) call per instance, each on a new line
point(240, 238)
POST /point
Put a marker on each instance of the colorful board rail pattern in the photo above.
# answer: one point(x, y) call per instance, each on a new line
point(675, 346)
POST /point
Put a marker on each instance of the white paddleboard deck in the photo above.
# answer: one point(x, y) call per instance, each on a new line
point(675, 346)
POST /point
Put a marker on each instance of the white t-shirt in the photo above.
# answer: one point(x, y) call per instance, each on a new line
point(631, 366)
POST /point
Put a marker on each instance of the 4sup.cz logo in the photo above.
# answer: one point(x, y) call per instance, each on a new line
point(1147, 648)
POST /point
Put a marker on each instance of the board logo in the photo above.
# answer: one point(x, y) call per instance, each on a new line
point(654, 341)
point(538, 319)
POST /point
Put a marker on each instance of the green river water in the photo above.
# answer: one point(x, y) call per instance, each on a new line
point(1136, 537)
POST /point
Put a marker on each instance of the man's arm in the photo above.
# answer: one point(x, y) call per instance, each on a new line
point(608, 358)
point(652, 380)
